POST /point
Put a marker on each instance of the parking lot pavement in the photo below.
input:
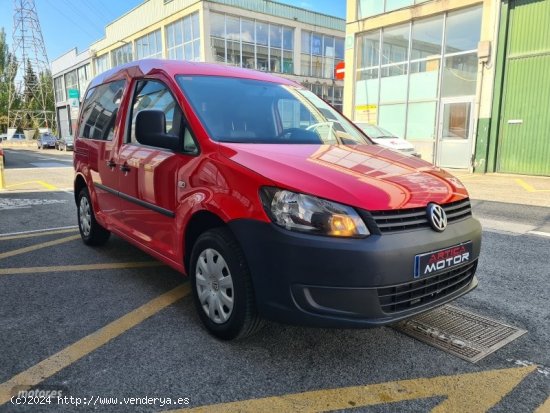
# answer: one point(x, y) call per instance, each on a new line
point(507, 188)
point(28, 169)
point(115, 329)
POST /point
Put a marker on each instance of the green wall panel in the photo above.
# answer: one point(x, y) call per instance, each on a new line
point(482, 142)
point(524, 118)
point(525, 125)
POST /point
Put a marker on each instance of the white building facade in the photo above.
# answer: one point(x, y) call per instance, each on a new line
point(71, 73)
point(257, 34)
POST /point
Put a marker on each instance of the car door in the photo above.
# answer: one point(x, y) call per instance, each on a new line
point(99, 126)
point(153, 179)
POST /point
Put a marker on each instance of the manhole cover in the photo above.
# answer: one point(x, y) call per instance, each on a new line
point(462, 333)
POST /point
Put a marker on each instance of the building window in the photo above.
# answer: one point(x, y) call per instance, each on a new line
point(122, 55)
point(101, 64)
point(403, 71)
point(368, 8)
point(149, 46)
point(71, 82)
point(183, 38)
point(252, 44)
point(83, 78)
point(58, 88)
point(320, 53)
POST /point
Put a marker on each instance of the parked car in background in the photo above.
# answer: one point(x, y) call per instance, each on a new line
point(387, 139)
point(46, 140)
point(65, 144)
point(3, 137)
point(17, 137)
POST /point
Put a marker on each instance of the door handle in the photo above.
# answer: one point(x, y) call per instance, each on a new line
point(124, 168)
point(110, 163)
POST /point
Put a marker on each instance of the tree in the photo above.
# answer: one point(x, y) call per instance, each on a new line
point(4, 88)
point(8, 69)
point(46, 90)
point(30, 82)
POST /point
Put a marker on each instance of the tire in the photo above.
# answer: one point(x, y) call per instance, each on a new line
point(222, 286)
point(91, 232)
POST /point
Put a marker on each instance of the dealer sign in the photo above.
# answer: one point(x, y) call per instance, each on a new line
point(435, 262)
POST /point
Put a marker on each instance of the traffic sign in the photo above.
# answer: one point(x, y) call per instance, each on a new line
point(339, 71)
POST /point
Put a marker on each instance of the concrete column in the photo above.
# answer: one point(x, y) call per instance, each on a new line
point(204, 19)
point(349, 58)
point(297, 51)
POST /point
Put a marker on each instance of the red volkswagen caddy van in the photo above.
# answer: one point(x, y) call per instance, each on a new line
point(274, 204)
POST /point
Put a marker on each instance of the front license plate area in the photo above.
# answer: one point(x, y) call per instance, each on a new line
point(436, 262)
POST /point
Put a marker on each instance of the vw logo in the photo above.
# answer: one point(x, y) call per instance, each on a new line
point(437, 217)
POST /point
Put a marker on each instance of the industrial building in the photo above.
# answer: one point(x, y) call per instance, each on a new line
point(71, 75)
point(258, 34)
point(463, 80)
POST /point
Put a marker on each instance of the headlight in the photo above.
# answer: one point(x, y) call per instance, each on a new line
point(306, 213)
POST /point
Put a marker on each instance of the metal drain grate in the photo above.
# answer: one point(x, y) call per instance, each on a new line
point(462, 333)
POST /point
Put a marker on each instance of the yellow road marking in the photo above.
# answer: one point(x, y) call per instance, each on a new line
point(42, 183)
point(39, 234)
point(38, 246)
point(82, 267)
point(544, 407)
point(528, 187)
point(86, 345)
point(47, 185)
point(470, 392)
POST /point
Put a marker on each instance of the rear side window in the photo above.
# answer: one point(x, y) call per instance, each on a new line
point(99, 112)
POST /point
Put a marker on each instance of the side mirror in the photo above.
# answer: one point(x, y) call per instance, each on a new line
point(151, 130)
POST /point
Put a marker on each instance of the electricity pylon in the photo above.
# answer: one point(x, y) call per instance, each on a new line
point(31, 84)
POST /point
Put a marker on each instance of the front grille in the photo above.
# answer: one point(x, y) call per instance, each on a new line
point(407, 296)
point(406, 219)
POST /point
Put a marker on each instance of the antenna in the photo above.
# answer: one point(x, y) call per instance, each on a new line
point(31, 101)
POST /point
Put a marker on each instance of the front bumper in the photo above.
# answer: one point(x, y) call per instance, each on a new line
point(330, 282)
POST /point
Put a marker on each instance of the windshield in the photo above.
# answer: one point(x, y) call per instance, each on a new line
point(375, 132)
point(252, 111)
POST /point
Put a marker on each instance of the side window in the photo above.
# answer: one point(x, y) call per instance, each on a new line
point(99, 111)
point(154, 95)
point(294, 114)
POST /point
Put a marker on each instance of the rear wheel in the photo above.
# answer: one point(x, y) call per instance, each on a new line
point(222, 286)
point(91, 232)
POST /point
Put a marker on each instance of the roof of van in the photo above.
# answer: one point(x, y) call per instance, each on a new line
point(172, 68)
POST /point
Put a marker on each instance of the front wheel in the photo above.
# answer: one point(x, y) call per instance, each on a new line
point(222, 286)
point(91, 232)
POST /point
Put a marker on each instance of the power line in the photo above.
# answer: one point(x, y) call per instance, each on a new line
point(80, 26)
point(82, 13)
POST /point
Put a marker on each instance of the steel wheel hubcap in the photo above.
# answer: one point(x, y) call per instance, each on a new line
point(214, 286)
point(85, 216)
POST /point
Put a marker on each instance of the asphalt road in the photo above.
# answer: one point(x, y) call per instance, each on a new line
point(34, 158)
point(46, 307)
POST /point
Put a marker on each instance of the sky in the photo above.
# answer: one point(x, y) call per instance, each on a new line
point(67, 24)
